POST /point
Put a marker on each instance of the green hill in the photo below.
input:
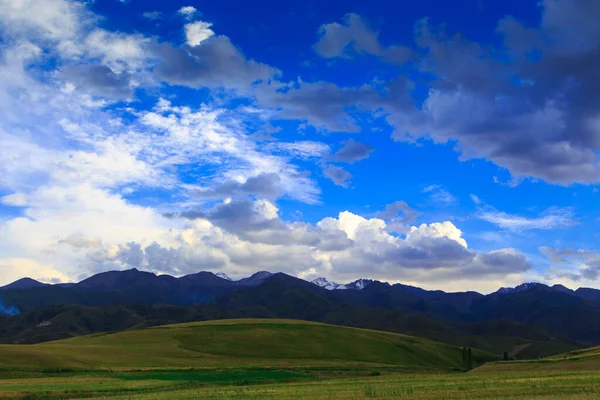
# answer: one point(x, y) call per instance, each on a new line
point(237, 343)
point(578, 360)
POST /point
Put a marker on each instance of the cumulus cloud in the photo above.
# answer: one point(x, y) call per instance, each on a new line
point(197, 32)
point(535, 117)
point(243, 236)
point(187, 12)
point(72, 160)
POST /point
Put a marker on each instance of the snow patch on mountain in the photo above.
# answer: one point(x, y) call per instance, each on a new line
point(357, 285)
point(521, 288)
point(325, 284)
point(223, 275)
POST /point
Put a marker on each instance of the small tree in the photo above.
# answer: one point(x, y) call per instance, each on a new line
point(469, 359)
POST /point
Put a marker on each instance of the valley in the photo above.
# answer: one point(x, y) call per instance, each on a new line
point(280, 359)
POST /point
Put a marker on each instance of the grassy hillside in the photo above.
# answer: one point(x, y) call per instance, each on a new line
point(237, 343)
point(578, 360)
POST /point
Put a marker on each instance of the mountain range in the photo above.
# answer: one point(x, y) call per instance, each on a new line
point(529, 320)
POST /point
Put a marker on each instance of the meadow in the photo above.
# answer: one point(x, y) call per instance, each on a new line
point(279, 359)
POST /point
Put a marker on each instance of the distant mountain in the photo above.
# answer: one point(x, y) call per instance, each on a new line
point(583, 293)
point(359, 284)
point(522, 287)
point(223, 275)
point(356, 285)
point(125, 288)
point(283, 296)
point(24, 283)
point(588, 294)
point(553, 317)
point(256, 279)
point(123, 280)
point(325, 284)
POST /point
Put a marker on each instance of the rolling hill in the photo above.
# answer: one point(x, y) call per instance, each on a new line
point(577, 360)
point(238, 343)
point(279, 296)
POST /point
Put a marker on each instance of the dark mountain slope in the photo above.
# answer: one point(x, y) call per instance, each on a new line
point(24, 283)
point(126, 288)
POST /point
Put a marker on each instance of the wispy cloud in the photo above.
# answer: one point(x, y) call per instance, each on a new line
point(439, 195)
point(476, 199)
point(550, 219)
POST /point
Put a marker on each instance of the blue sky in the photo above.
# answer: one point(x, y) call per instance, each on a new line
point(449, 146)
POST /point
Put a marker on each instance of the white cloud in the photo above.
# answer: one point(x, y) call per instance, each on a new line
point(439, 195)
point(550, 219)
point(77, 166)
point(118, 51)
point(437, 230)
point(578, 266)
point(152, 15)
point(475, 199)
point(112, 234)
point(13, 269)
point(188, 12)
point(60, 22)
point(15, 199)
point(197, 32)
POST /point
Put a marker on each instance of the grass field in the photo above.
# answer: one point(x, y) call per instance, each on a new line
point(238, 343)
point(279, 359)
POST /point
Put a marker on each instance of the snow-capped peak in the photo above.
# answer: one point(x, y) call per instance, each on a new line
point(357, 285)
point(521, 288)
point(325, 284)
point(223, 275)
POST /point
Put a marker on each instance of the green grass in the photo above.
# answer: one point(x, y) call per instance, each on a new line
point(279, 359)
point(237, 343)
point(577, 360)
point(146, 386)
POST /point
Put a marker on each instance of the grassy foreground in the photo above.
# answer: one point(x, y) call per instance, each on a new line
point(279, 359)
point(314, 385)
point(237, 343)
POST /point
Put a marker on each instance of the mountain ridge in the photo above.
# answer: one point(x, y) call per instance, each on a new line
point(359, 284)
